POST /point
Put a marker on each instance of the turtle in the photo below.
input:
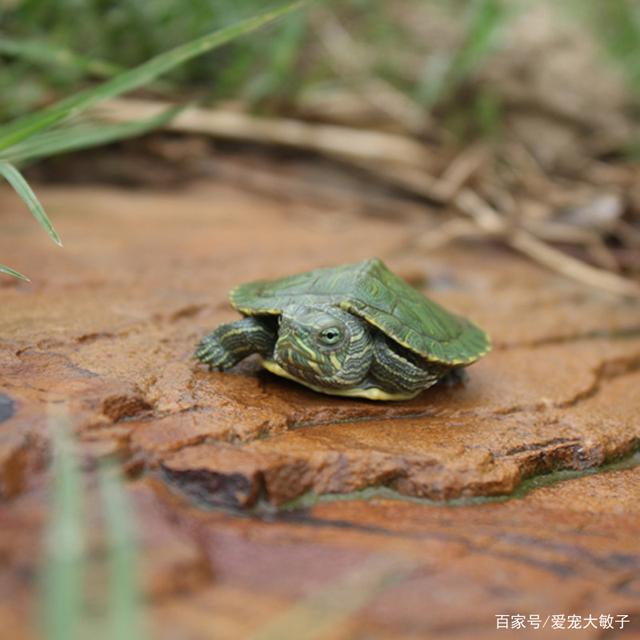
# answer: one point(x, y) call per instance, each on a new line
point(351, 330)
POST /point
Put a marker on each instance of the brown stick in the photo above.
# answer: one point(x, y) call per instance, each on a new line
point(397, 158)
point(489, 220)
point(343, 142)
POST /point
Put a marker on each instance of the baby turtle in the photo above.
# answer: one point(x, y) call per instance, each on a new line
point(354, 330)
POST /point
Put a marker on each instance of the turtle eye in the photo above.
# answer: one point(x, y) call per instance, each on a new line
point(330, 335)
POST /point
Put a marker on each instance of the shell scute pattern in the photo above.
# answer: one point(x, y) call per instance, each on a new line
point(368, 289)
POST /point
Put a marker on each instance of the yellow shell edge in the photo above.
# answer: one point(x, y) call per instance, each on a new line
point(372, 393)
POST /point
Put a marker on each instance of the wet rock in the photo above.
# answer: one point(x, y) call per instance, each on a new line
point(321, 492)
point(223, 475)
point(119, 347)
point(21, 457)
point(117, 408)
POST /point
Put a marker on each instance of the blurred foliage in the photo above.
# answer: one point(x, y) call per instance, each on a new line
point(483, 22)
point(53, 46)
point(44, 53)
point(72, 606)
point(45, 132)
point(65, 542)
point(49, 52)
point(616, 23)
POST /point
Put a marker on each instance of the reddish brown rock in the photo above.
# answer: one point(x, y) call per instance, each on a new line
point(119, 347)
point(109, 325)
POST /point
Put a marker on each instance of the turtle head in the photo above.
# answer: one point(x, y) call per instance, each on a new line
point(323, 345)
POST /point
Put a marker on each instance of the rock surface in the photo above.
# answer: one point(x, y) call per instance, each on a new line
point(266, 510)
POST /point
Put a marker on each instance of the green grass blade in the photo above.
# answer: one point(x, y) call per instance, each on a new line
point(25, 127)
point(281, 60)
point(22, 188)
point(47, 54)
point(444, 74)
point(123, 612)
point(64, 140)
point(13, 272)
point(486, 19)
point(63, 577)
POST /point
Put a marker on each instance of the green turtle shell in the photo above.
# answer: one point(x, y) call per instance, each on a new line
point(369, 290)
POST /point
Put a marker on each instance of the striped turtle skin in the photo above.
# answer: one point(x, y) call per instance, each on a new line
point(396, 341)
point(368, 289)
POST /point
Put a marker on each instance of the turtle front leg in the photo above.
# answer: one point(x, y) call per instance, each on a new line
point(397, 370)
point(229, 343)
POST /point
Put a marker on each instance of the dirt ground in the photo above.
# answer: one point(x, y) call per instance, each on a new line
point(265, 510)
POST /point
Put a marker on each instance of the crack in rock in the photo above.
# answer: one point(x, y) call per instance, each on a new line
point(607, 370)
point(538, 446)
point(625, 333)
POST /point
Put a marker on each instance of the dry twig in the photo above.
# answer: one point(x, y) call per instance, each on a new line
point(490, 220)
point(397, 159)
point(337, 141)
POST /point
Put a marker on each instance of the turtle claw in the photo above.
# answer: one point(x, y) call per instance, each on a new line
point(211, 352)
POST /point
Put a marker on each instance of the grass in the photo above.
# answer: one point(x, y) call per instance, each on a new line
point(38, 134)
point(66, 539)
point(123, 611)
point(67, 563)
point(484, 21)
point(49, 54)
point(616, 26)
point(53, 52)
